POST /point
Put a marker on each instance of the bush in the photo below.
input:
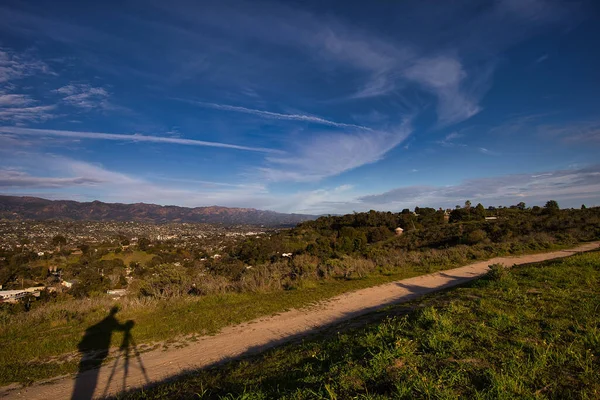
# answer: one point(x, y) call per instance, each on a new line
point(164, 281)
point(476, 236)
point(305, 265)
point(497, 272)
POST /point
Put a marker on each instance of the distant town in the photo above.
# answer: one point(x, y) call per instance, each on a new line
point(48, 250)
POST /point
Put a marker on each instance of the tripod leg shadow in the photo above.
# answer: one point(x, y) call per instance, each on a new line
point(127, 346)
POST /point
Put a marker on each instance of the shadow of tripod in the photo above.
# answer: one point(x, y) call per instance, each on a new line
point(125, 349)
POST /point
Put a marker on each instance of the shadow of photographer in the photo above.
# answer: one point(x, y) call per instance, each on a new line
point(94, 348)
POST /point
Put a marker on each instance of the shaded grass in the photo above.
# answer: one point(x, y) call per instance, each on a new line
point(531, 332)
point(42, 344)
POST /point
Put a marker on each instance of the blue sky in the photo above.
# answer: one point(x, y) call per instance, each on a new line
point(311, 107)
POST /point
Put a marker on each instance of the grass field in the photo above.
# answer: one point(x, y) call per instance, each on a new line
point(43, 343)
point(532, 332)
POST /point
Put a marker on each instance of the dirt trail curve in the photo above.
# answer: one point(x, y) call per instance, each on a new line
point(260, 334)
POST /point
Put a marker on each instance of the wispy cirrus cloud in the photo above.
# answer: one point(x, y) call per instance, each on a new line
point(392, 67)
point(19, 109)
point(84, 96)
point(15, 100)
point(331, 154)
point(488, 152)
point(572, 132)
point(569, 131)
point(128, 138)
point(381, 60)
point(450, 140)
point(15, 66)
point(274, 115)
point(444, 77)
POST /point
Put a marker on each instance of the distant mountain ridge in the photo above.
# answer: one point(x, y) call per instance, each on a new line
point(15, 207)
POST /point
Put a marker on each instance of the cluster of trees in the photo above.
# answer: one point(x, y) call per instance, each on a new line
point(333, 245)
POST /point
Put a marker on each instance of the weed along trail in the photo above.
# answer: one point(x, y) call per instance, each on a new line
point(134, 369)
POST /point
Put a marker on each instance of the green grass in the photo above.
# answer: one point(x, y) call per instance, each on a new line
point(42, 343)
point(532, 332)
point(137, 256)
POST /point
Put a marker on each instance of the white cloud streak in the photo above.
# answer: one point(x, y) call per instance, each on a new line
point(443, 76)
point(85, 96)
point(574, 132)
point(15, 66)
point(331, 154)
point(20, 115)
point(280, 116)
point(22, 108)
point(19, 108)
point(129, 138)
point(15, 100)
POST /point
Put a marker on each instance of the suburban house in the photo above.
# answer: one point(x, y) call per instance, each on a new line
point(117, 292)
point(12, 296)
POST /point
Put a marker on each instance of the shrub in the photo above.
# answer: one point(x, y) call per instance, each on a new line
point(497, 272)
point(476, 236)
point(165, 280)
point(305, 265)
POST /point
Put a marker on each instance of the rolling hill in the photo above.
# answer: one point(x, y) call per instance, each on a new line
point(14, 207)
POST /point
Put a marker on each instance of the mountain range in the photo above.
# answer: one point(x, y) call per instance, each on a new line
point(14, 207)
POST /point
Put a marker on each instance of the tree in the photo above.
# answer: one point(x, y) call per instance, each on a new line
point(59, 241)
point(521, 206)
point(583, 207)
point(468, 204)
point(460, 214)
point(552, 205)
point(143, 243)
point(84, 247)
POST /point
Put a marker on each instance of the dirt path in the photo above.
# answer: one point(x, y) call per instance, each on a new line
point(260, 334)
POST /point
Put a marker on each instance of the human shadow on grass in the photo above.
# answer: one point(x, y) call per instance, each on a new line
point(94, 348)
